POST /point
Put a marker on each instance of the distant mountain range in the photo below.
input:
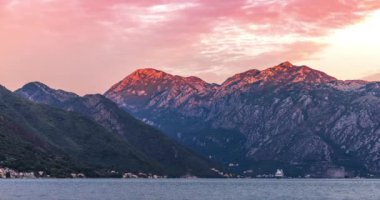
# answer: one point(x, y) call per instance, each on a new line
point(290, 117)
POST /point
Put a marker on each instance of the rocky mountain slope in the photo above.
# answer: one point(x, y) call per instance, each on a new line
point(291, 117)
point(168, 156)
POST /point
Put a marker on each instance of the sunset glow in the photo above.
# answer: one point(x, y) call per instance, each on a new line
point(85, 45)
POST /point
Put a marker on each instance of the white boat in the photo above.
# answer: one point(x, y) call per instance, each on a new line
point(279, 173)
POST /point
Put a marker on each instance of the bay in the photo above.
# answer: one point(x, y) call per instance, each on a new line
point(189, 189)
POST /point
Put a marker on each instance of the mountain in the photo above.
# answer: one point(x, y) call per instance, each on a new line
point(41, 138)
point(175, 105)
point(160, 89)
point(170, 157)
point(153, 89)
point(286, 116)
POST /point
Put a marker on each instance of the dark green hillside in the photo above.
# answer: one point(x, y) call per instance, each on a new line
point(38, 137)
point(173, 159)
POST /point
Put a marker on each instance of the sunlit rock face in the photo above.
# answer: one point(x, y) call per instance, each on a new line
point(153, 89)
point(290, 116)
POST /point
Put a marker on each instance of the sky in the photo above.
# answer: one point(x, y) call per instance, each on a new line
point(85, 46)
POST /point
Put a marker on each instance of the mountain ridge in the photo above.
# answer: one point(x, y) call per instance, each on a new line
point(173, 159)
point(160, 74)
point(286, 116)
point(42, 138)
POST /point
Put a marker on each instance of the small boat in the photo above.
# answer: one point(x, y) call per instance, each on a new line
point(279, 173)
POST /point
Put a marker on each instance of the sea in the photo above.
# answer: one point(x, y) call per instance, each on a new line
point(189, 189)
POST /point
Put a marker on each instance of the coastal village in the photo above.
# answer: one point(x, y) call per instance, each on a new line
point(7, 173)
point(14, 174)
point(10, 173)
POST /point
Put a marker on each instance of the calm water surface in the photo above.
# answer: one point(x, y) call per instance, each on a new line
point(178, 189)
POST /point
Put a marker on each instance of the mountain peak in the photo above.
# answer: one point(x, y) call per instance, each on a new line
point(148, 72)
point(42, 92)
point(285, 72)
point(286, 64)
point(138, 77)
point(36, 84)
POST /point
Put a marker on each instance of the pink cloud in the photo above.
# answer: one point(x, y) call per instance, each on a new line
point(95, 43)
